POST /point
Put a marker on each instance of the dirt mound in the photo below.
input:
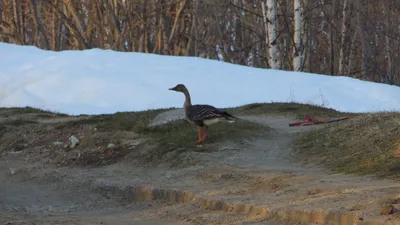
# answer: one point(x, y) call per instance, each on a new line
point(246, 172)
point(150, 137)
point(45, 137)
point(49, 143)
point(106, 139)
point(366, 144)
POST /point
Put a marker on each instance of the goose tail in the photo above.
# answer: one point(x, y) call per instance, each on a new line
point(231, 118)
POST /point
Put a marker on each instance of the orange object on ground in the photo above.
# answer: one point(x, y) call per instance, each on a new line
point(308, 121)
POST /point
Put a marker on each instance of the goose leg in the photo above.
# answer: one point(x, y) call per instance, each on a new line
point(205, 132)
point(199, 139)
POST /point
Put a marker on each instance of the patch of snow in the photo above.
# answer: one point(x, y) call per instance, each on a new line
point(104, 81)
point(167, 117)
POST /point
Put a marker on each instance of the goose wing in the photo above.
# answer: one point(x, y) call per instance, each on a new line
point(203, 112)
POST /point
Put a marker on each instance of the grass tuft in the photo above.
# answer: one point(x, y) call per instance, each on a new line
point(27, 110)
point(367, 144)
point(175, 138)
point(170, 140)
point(17, 122)
point(120, 121)
point(167, 143)
point(297, 110)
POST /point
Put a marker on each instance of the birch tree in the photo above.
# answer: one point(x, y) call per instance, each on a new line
point(297, 48)
point(343, 35)
point(270, 30)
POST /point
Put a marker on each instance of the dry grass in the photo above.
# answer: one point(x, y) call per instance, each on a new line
point(24, 128)
point(289, 109)
point(171, 140)
point(20, 130)
point(14, 111)
point(367, 144)
point(121, 121)
point(178, 137)
point(163, 144)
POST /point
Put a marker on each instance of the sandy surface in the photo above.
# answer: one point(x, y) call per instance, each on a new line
point(250, 181)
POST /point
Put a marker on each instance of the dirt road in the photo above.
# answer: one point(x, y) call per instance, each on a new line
point(248, 181)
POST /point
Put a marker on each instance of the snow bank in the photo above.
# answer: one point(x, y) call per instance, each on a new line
point(104, 81)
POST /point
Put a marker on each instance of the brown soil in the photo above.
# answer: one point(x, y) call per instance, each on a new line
point(248, 179)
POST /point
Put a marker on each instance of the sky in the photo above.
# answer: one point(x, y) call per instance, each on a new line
point(99, 81)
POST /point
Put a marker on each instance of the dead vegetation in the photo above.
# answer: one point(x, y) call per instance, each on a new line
point(104, 139)
point(26, 111)
point(287, 109)
point(366, 144)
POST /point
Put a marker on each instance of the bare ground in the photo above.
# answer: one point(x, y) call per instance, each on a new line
point(252, 180)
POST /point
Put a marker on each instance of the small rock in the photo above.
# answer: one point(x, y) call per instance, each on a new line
point(58, 143)
point(16, 152)
point(13, 171)
point(137, 142)
point(74, 141)
point(111, 145)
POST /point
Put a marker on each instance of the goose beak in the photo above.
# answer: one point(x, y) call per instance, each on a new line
point(172, 89)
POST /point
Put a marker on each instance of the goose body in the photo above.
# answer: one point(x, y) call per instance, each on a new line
point(202, 116)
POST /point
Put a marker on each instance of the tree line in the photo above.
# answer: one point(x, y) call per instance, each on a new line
point(355, 38)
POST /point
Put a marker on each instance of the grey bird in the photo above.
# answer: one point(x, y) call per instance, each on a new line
point(202, 116)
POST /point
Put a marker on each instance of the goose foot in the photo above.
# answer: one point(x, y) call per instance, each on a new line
point(200, 141)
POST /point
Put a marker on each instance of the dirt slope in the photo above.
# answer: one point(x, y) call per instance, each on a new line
point(247, 181)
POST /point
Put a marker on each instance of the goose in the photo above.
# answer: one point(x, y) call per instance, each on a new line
point(202, 116)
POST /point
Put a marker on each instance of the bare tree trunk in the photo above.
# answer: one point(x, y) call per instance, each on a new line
point(143, 28)
point(343, 35)
point(39, 24)
point(365, 43)
point(53, 28)
point(113, 13)
point(297, 48)
point(352, 46)
point(191, 45)
point(78, 23)
point(175, 25)
point(99, 28)
point(63, 27)
point(164, 29)
point(271, 42)
point(16, 12)
point(389, 77)
point(307, 49)
point(195, 18)
point(306, 39)
point(332, 41)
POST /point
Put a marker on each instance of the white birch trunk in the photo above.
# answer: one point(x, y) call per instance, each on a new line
point(297, 50)
point(270, 13)
point(343, 34)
